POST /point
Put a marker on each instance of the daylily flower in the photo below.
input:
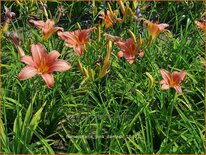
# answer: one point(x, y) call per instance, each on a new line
point(8, 16)
point(201, 25)
point(128, 50)
point(154, 28)
point(172, 80)
point(14, 38)
point(47, 27)
point(42, 64)
point(109, 18)
point(76, 39)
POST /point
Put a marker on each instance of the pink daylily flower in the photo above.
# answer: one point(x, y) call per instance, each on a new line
point(42, 64)
point(129, 50)
point(48, 27)
point(172, 80)
point(76, 39)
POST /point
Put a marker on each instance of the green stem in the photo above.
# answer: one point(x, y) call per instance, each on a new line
point(171, 107)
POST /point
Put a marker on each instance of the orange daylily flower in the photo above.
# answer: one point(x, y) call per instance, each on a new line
point(201, 25)
point(42, 64)
point(47, 27)
point(76, 39)
point(154, 28)
point(109, 18)
point(172, 80)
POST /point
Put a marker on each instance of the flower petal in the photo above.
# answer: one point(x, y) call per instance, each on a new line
point(28, 60)
point(114, 38)
point(40, 24)
point(59, 65)
point(162, 82)
point(120, 54)
point(131, 49)
point(162, 26)
point(83, 34)
point(130, 60)
point(165, 86)
point(79, 49)
point(27, 72)
point(201, 25)
point(178, 89)
point(165, 75)
point(50, 23)
point(178, 77)
point(141, 54)
point(47, 33)
point(38, 53)
point(48, 28)
point(49, 79)
point(68, 37)
point(59, 29)
point(52, 56)
point(153, 29)
point(122, 45)
point(87, 31)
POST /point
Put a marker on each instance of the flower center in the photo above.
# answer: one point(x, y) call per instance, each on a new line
point(42, 68)
point(172, 83)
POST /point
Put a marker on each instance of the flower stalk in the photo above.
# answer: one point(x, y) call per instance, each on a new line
point(14, 38)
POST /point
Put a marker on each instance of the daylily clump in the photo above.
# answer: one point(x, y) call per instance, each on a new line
point(172, 80)
point(42, 64)
point(201, 25)
point(90, 73)
point(48, 27)
point(76, 39)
